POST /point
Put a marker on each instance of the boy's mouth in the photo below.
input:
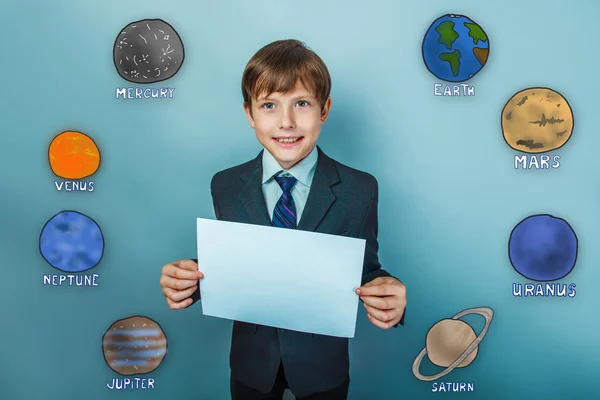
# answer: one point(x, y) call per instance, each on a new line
point(288, 140)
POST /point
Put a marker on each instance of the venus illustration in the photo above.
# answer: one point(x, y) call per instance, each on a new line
point(73, 155)
point(537, 120)
point(452, 343)
point(134, 345)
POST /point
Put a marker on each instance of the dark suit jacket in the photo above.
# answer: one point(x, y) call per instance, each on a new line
point(342, 201)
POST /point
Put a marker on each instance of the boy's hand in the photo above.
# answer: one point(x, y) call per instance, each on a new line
point(385, 300)
point(179, 280)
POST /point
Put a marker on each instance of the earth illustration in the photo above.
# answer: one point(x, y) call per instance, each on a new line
point(455, 48)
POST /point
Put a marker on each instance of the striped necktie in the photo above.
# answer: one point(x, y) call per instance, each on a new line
point(284, 215)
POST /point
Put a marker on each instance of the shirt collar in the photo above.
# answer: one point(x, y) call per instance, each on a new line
point(304, 171)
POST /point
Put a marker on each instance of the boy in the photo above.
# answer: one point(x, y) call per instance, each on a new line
point(293, 184)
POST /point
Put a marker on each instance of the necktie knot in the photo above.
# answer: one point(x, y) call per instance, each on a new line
point(285, 181)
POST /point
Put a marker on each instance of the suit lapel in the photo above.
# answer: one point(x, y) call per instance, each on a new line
point(251, 196)
point(320, 197)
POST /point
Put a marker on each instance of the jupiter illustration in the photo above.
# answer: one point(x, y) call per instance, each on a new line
point(134, 346)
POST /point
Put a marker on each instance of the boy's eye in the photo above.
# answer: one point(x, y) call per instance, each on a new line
point(269, 106)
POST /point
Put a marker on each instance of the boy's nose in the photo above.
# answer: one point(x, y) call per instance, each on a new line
point(287, 120)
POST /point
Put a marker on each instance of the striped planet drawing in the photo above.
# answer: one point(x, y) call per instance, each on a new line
point(134, 346)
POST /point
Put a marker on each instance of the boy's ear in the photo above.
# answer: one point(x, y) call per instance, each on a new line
point(325, 110)
point(248, 110)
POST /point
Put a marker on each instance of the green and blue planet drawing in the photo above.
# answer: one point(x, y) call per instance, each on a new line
point(455, 48)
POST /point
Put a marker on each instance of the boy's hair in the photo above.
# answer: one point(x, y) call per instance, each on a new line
point(278, 66)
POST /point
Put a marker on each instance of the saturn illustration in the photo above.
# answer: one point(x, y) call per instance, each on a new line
point(452, 343)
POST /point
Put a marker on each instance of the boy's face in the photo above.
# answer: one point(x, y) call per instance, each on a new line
point(288, 124)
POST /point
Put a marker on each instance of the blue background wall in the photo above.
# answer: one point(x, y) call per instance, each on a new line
point(449, 193)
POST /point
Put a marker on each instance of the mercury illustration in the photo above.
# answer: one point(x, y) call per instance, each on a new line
point(72, 242)
point(452, 343)
point(134, 346)
point(537, 120)
point(148, 51)
point(73, 155)
point(543, 248)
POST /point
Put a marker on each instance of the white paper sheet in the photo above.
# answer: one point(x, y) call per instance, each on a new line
point(285, 278)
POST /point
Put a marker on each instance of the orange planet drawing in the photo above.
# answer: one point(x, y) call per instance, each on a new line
point(73, 155)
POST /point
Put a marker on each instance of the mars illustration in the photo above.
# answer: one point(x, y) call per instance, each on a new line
point(537, 120)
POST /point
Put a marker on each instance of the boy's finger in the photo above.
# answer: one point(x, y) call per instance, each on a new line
point(377, 322)
point(377, 290)
point(381, 303)
point(180, 273)
point(179, 305)
point(187, 265)
point(177, 284)
point(179, 295)
point(380, 315)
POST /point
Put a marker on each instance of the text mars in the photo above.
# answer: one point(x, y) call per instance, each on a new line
point(537, 162)
point(463, 89)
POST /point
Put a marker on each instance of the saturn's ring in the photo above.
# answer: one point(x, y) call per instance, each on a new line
point(485, 312)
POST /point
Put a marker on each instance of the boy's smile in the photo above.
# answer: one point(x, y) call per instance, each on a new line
point(288, 124)
point(288, 141)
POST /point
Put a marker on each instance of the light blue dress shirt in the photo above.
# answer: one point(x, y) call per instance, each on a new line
point(304, 172)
